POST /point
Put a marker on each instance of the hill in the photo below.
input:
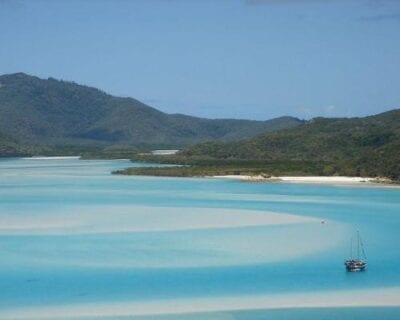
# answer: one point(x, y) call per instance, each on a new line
point(11, 148)
point(368, 146)
point(53, 112)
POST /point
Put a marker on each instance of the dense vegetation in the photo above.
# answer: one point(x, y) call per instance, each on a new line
point(367, 146)
point(59, 113)
point(11, 148)
point(200, 168)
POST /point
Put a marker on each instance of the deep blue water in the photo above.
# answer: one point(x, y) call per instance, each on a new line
point(95, 260)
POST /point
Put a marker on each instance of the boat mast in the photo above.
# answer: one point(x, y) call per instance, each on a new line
point(358, 245)
point(351, 248)
point(362, 249)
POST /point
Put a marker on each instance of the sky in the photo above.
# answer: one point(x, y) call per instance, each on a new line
point(252, 59)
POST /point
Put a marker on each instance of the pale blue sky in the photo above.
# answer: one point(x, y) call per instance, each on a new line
point(215, 58)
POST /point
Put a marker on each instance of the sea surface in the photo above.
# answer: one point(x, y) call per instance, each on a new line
point(72, 234)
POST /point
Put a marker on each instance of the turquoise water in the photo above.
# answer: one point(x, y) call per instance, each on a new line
point(298, 314)
point(71, 233)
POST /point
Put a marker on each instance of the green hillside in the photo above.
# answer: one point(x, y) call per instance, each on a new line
point(367, 146)
point(53, 112)
point(11, 148)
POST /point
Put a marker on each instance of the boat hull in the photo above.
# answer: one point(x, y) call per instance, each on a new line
point(355, 265)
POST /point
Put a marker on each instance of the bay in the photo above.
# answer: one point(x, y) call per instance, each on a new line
point(72, 234)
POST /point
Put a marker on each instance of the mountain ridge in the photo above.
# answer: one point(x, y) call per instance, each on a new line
point(57, 112)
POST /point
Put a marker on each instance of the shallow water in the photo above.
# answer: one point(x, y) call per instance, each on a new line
point(71, 233)
point(289, 314)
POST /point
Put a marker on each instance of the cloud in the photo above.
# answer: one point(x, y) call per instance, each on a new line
point(329, 110)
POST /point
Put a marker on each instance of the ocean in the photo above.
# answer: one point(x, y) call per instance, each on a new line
point(79, 243)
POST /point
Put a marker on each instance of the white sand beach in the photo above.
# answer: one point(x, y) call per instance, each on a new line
point(319, 179)
point(372, 297)
point(303, 179)
point(52, 158)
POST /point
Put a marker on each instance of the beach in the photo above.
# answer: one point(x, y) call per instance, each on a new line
point(305, 179)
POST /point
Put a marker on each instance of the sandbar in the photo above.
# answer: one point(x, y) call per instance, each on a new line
point(372, 297)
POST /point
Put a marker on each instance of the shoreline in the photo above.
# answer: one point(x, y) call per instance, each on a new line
point(372, 297)
point(343, 180)
point(310, 179)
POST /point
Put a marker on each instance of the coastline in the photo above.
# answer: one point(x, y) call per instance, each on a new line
point(310, 179)
point(343, 180)
point(373, 297)
point(279, 172)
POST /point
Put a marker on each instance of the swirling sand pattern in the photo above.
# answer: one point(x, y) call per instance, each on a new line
point(73, 238)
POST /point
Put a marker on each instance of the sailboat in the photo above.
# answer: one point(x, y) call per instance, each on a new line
point(359, 262)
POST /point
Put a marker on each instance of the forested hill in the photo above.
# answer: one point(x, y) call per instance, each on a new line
point(7, 145)
point(53, 112)
point(368, 146)
point(11, 148)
